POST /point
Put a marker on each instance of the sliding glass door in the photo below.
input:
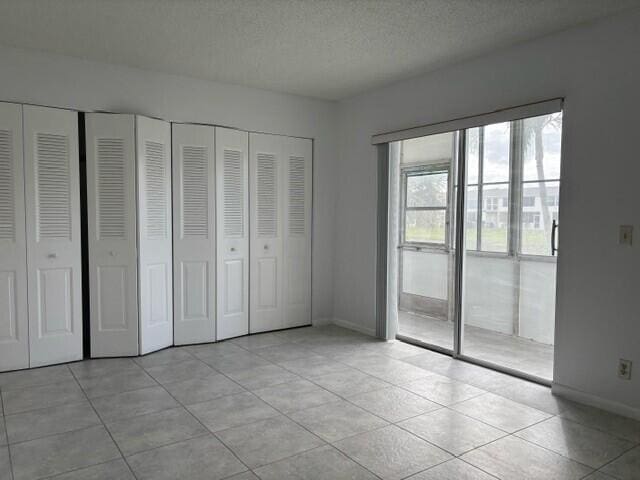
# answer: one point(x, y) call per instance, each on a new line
point(504, 307)
point(509, 267)
point(426, 169)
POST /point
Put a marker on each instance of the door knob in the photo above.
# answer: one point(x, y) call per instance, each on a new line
point(233, 249)
point(266, 247)
point(112, 253)
point(52, 255)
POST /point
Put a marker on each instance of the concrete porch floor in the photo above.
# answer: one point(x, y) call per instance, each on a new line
point(513, 352)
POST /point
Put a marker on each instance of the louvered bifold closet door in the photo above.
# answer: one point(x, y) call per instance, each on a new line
point(52, 194)
point(193, 233)
point(111, 207)
point(266, 244)
point(155, 262)
point(297, 244)
point(233, 233)
point(14, 323)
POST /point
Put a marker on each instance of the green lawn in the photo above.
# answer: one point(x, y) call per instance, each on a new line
point(534, 242)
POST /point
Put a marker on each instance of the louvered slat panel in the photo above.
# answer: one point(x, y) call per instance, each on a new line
point(267, 195)
point(155, 191)
point(7, 200)
point(111, 188)
point(54, 190)
point(296, 196)
point(233, 194)
point(195, 194)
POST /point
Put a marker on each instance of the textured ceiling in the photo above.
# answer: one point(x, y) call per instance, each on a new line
point(328, 49)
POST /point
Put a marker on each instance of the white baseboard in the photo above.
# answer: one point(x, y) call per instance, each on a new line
point(354, 326)
point(319, 322)
point(595, 401)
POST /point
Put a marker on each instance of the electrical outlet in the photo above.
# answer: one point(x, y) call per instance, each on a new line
point(624, 369)
point(626, 235)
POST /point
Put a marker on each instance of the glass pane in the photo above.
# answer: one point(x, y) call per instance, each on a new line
point(471, 223)
point(542, 138)
point(428, 150)
point(508, 313)
point(427, 190)
point(495, 218)
point(425, 226)
point(538, 214)
point(495, 165)
point(425, 277)
point(473, 155)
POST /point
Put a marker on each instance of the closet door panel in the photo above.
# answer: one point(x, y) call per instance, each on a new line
point(111, 205)
point(297, 245)
point(266, 244)
point(14, 320)
point(193, 233)
point(155, 256)
point(53, 235)
point(232, 233)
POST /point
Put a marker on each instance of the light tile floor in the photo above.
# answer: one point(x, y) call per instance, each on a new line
point(309, 403)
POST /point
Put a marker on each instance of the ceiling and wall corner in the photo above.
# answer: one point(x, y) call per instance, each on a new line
point(328, 49)
point(595, 67)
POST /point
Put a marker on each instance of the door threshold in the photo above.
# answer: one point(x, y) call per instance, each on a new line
point(475, 361)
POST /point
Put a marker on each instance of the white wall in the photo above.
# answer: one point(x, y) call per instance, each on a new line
point(596, 67)
point(32, 77)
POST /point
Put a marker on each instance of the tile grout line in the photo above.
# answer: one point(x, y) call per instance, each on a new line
point(593, 469)
point(59, 433)
point(283, 414)
point(40, 409)
point(326, 443)
point(215, 433)
point(375, 429)
point(513, 434)
point(451, 453)
point(404, 387)
point(104, 425)
point(78, 469)
point(390, 385)
point(35, 369)
point(613, 460)
point(146, 450)
point(446, 461)
point(507, 434)
point(341, 397)
point(601, 430)
point(203, 426)
point(479, 468)
point(6, 434)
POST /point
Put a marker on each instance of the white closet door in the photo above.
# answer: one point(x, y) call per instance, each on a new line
point(111, 206)
point(266, 207)
point(193, 233)
point(14, 319)
point(297, 244)
point(53, 235)
point(233, 233)
point(155, 272)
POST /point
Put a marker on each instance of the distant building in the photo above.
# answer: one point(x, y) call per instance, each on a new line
point(495, 211)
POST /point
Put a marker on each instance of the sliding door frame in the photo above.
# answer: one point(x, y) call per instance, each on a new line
point(383, 328)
